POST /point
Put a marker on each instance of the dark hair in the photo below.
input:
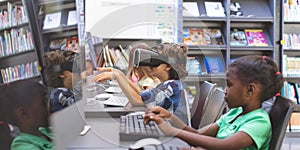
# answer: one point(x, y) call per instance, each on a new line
point(178, 51)
point(5, 137)
point(51, 59)
point(16, 94)
point(258, 69)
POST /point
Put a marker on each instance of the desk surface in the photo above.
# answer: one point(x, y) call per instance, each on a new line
point(104, 134)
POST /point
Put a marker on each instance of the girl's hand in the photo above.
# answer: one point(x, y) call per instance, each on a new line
point(159, 111)
point(105, 74)
point(165, 127)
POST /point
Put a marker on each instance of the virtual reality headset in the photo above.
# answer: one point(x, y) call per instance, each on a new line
point(151, 58)
point(70, 65)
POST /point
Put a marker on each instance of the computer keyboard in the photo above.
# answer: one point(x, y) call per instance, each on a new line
point(120, 101)
point(162, 147)
point(132, 128)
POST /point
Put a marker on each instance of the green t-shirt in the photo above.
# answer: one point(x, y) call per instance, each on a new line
point(256, 124)
point(31, 142)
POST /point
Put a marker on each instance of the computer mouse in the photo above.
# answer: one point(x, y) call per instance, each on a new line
point(103, 96)
point(145, 142)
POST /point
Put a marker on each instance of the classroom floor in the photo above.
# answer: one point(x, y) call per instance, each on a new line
point(291, 141)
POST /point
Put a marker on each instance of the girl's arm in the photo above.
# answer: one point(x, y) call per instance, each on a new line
point(130, 90)
point(236, 141)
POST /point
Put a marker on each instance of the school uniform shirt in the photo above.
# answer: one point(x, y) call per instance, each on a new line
point(256, 124)
point(31, 142)
point(169, 95)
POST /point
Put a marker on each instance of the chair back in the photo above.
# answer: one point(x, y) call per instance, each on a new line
point(214, 108)
point(199, 103)
point(280, 115)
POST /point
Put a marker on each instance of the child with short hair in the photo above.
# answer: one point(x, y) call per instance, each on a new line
point(250, 81)
point(170, 70)
point(27, 110)
point(63, 77)
point(137, 78)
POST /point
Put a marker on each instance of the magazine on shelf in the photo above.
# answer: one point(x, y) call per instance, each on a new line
point(72, 44)
point(213, 36)
point(214, 9)
point(197, 36)
point(190, 9)
point(256, 37)
point(238, 38)
point(186, 38)
point(214, 64)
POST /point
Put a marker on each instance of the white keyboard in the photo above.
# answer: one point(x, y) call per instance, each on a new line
point(121, 101)
point(112, 89)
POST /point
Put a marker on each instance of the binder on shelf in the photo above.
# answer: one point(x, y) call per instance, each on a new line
point(52, 20)
point(190, 9)
point(256, 37)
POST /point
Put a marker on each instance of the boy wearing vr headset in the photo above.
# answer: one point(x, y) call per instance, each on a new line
point(167, 62)
point(61, 72)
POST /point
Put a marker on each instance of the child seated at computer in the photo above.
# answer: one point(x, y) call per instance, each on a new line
point(24, 104)
point(139, 75)
point(137, 78)
point(169, 66)
point(63, 77)
point(250, 80)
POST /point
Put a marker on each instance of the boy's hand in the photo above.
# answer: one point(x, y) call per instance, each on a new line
point(156, 113)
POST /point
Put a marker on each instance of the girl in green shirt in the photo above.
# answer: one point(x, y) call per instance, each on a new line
point(250, 81)
point(24, 104)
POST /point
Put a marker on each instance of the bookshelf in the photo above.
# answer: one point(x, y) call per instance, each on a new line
point(253, 14)
point(18, 55)
point(290, 46)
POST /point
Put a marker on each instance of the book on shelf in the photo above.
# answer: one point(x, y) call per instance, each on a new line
point(52, 20)
point(255, 37)
point(291, 9)
point(238, 37)
point(214, 9)
point(18, 72)
point(214, 64)
point(213, 36)
point(236, 9)
point(193, 66)
point(72, 18)
point(290, 66)
point(190, 9)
